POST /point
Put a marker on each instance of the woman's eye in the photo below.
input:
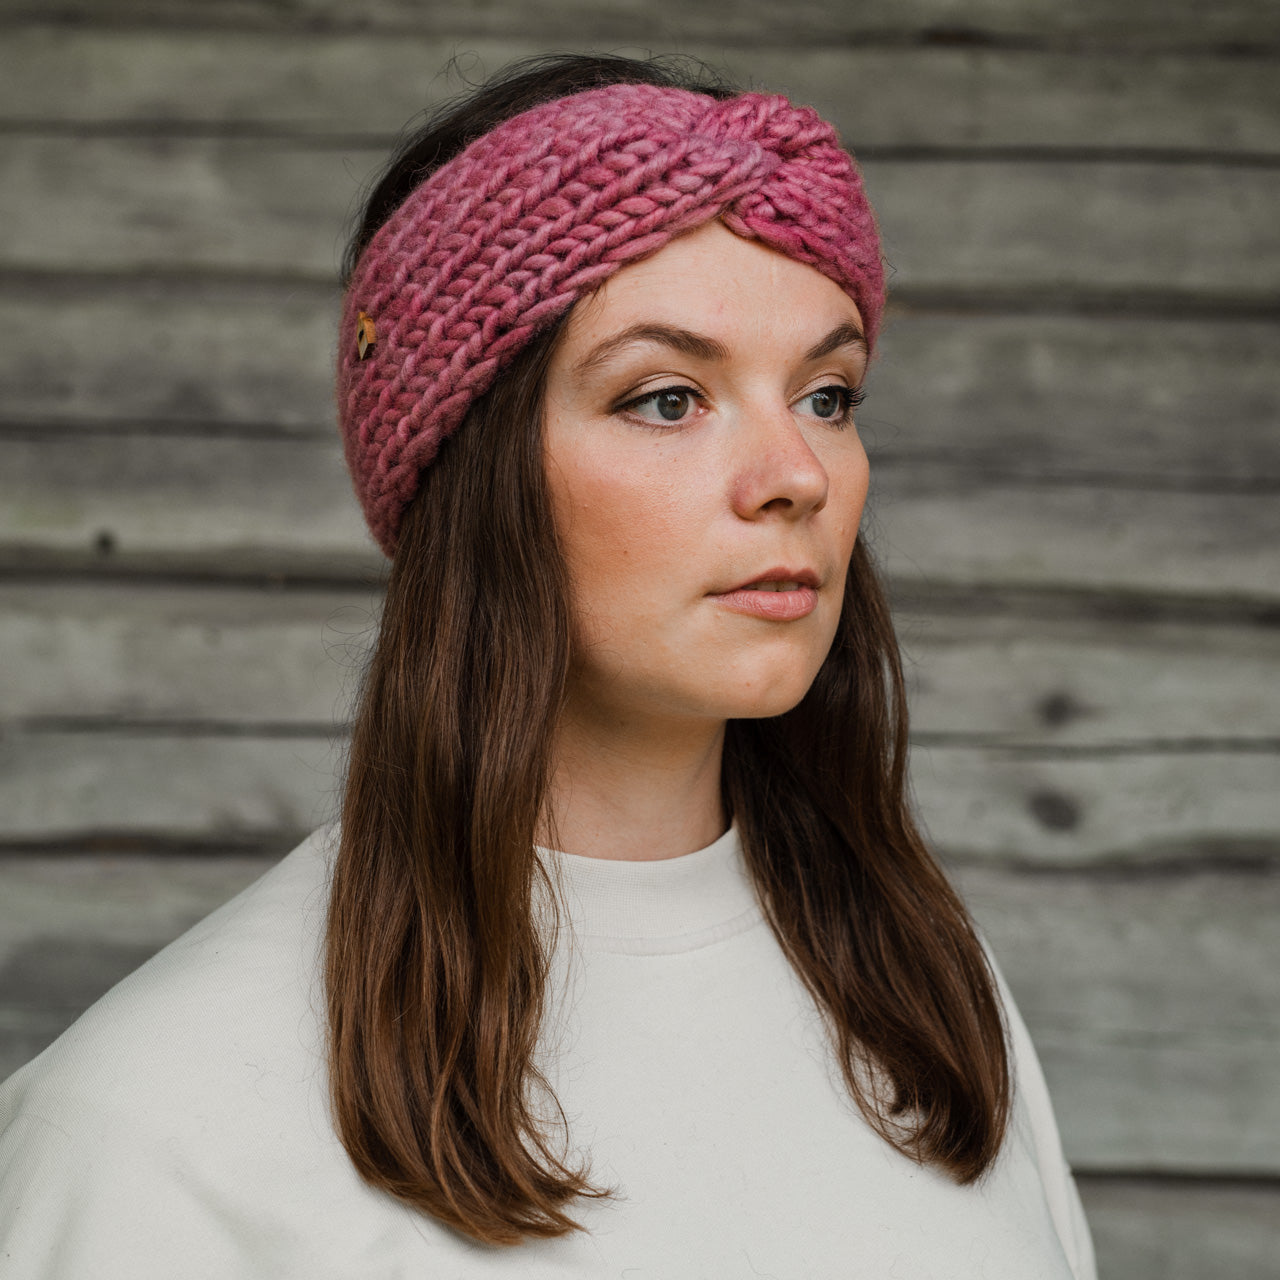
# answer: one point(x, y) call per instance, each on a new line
point(671, 404)
point(835, 401)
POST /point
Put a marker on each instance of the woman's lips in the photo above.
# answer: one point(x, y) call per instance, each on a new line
point(786, 605)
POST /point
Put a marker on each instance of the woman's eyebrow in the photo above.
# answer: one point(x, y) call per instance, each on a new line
point(843, 335)
point(685, 341)
point(701, 347)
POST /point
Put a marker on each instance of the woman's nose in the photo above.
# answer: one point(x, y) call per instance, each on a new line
point(775, 469)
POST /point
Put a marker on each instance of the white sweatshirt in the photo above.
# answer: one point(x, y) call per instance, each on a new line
point(180, 1129)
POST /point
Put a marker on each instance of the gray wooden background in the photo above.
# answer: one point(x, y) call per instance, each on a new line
point(1074, 430)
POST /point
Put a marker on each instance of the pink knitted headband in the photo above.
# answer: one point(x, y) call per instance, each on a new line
point(541, 210)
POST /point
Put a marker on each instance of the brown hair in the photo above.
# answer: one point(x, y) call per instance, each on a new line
point(435, 968)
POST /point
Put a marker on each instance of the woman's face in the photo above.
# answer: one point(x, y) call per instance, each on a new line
point(706, 477)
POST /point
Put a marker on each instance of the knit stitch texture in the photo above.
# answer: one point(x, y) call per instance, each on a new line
point(533, 215)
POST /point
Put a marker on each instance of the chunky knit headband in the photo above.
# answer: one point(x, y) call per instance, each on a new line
point(538, 212)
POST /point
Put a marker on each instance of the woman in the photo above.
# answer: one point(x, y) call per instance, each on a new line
point(626, 956)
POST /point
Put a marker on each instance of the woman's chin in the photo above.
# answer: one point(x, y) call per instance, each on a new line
point(709, 685)
point(764, 708)
point(767, 699)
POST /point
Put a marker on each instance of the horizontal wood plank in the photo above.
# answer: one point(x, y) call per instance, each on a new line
point(236, 658)
point(175, 787)
point(1074, 226)
point(1177, 401)
point(1152, 1002)
point(1170, 400)
point(1096, 807)
point(155, 356)
point(1134, 23)
point(240, 657)
point(308, 82)
point(946, 527)
point(222, 504)
point(178, 203)
point(1183, 1229)
point(1155, 1018)
point(1078, 682)
point(939, 97)
point(285, 506)
point(204, 784)
point(275, 208)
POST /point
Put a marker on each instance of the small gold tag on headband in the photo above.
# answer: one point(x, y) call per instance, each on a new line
point(366, 335)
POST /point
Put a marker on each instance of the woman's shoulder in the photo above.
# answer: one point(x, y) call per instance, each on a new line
point(182, 1125)
point(1035, 1128)
point(227, 1003)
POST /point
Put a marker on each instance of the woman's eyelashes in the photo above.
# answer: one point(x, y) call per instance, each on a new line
point(669, 406)
point(835, 403)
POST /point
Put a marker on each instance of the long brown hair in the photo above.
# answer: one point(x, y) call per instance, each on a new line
point(435, 967)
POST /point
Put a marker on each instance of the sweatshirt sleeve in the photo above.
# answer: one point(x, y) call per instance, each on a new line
point(179, 1128)
point(59, 1188)
point(84, 1193)
point(1059, 1185)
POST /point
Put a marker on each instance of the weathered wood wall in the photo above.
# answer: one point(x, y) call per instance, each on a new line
point(1075, 430)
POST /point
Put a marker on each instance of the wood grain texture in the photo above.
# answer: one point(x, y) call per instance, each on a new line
point(1078, 682)
point(177, 204)
point(1184, 402)
point(1176, 1230)
point(1149, 1000)
point(307, 82)
point(165, 356)
point(248, 504)
point(174, 786)
point(236, 658)
point(1139, 24)
point(1152, 1003)
point(1172, 400)
point(273, 208)
point(1097, 807)
point(1112, 227)
point(959, 529)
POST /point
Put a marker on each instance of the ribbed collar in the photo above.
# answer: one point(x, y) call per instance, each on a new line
point(661, 906)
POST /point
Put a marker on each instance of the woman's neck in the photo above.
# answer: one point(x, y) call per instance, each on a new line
point(638, 791)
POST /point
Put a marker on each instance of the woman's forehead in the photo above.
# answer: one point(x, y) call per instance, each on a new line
point(714, 283)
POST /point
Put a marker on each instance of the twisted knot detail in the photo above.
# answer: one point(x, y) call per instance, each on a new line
point(506, 236)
